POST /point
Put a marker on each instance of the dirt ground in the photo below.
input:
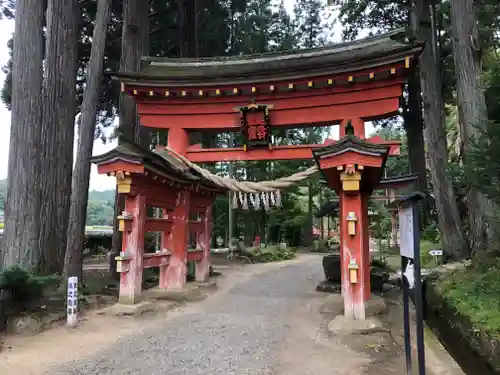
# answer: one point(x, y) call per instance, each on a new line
point(308, 349)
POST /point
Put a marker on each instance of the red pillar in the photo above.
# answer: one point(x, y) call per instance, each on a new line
point(175, 275)
point(133, 246)
point(355, 253)
point(365, 233)
point(202, 268)
point(178, 140)
point(358, 125)
point(164, 246)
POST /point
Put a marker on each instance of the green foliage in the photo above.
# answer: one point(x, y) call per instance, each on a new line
point(380, 223)
point(100, 207)
point(427, 260)
point(24, 287)
point(492, 80)
point(395, 165)
point(268, 254)
point(308, 18)
point(482, 167)
point(191, 269)
point(473, 293)
point(431, 233)
point(324, 246)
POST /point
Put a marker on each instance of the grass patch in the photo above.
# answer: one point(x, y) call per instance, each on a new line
point(393, 259)
point(473, 293)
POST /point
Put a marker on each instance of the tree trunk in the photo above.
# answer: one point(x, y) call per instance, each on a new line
point(59, 110)
point(413, 123)
point(81, 174)
point(471, 105)
point(22, 210)
point(454, 241)
point(135, 43)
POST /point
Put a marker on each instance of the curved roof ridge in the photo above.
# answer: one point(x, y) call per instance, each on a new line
point(282, 55)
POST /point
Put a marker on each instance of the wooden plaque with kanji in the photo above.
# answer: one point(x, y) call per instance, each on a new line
point(255, 126)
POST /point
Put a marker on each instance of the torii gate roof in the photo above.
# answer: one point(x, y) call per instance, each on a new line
point(363, 54)
point(163, 165)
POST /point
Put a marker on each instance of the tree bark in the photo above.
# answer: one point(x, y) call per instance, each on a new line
point(471, 102)
point(413, 123)
point(135, 43)
point(58, 114)
point(454, 241)
point(22, 209)
point(81, 173)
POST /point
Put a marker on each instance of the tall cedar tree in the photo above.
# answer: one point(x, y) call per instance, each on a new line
point(58, 113)
point(472, 110)
point(454, 241)
point(22, 211)
point(88, 119)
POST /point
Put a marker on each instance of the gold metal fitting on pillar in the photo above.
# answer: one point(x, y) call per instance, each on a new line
point(353, 271)
point(351, 177)
point(351, 223)
point(123, 182)
point(122, 219)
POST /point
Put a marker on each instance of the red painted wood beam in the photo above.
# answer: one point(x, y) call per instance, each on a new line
point(193, 256)
point(195, 226)
point(294, 152)
point(156, 260)
point(322, 115)
point(292, 100)
point(119, 165)
point(158, 225)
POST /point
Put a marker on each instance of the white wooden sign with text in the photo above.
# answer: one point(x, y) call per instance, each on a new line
point(406, 247)
point(72, 302)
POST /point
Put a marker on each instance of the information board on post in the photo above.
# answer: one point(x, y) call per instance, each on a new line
point(406, 235)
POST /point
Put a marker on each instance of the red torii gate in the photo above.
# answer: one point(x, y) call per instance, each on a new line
point(345, 84)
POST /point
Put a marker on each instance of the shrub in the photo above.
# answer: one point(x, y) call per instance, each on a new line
point(268, 254)
point(320, 246)
point(191, 267)
point(23, 287)
point(325, 246)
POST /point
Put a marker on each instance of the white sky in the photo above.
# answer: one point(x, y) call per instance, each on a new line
point(97, 182)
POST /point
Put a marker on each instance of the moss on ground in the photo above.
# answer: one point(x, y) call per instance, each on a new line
point(474, 293)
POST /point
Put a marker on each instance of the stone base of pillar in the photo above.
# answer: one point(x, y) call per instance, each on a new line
point(175, 275)
point(163, 277)
point(129, 293)
point(202, 271)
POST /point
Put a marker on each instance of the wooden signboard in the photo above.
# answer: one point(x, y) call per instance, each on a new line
point(255, 126)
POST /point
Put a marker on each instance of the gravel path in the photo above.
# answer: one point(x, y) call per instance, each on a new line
point(239, 333)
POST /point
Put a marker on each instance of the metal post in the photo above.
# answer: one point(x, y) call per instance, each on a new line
point(418, 290)
point(406, 316)
point(230, 202)
point(409, 228)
